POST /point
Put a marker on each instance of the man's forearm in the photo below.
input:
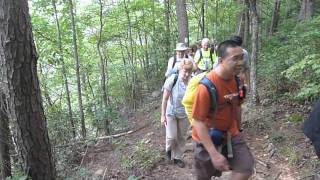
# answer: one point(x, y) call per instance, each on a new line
point(204, 137)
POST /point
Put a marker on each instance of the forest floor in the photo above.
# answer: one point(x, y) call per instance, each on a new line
point(272, 132)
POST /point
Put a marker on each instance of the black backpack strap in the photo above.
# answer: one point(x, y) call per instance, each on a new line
point(212, 52)
point(212, 92)
point(238, 82)
point(174, 61)
point(200, 56)
point(175, 80)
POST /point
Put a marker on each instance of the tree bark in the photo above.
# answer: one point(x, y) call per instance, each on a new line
point(131, 58)
point(5, 164)
point(246, 34)
point(202, 24)
point(18, 69)
point(102, 70)
point(77, 67)
point(167, 28)
point(306, 9)
point(63, 69)
point(275, 17)
point(254, 51)
point(216, 17)
point(182, 21)
point(240, 19)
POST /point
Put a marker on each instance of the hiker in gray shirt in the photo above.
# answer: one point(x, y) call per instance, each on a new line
point(173, 115)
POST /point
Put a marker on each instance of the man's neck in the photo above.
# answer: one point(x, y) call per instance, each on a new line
point(222, 73)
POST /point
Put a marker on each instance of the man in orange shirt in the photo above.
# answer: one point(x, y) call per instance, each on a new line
point(208, 160)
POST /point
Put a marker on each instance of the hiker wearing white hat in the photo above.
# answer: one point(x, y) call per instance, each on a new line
point(174, 61)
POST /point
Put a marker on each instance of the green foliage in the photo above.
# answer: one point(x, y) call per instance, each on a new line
point(278, 137)
point(156, 118)
point(17, 177)
point(132, 178)
point(82, 173)
point(295, 117)
point(291, 154)
point(142, 157)
point(289, 61)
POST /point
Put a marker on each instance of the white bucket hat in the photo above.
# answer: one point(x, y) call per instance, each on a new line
point(181, 47)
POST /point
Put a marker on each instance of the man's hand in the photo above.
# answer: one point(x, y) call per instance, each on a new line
point(220, 162)
point(164, 120)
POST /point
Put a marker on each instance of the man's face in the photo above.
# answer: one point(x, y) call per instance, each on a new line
point(233, 62)
point(205, 46)
point(180, 54)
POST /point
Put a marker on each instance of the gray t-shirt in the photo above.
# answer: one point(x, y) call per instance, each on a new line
point(174, 105)
point(170, 69)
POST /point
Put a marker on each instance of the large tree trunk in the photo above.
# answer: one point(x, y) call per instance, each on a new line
point(77, 67)
point(254, 51)
point(182, 21)
point(103, 71)
point(63, 69)
point(18, 69)
point(5, 164)
point(275, 17)
point(306, 9)
point(246, 34)
point(167, 28)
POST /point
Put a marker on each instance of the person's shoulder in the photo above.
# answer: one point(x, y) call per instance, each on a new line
point(245, 52)
point(211, 76)
point(172, 77)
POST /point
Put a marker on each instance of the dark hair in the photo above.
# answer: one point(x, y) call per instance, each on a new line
point(194, 47)
point(237, 39)
point(222, 48)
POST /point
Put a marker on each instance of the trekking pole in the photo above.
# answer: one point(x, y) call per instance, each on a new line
point(229, 146)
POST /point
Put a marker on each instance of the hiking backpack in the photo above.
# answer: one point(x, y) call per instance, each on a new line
point(212, 51)
point(201, 78)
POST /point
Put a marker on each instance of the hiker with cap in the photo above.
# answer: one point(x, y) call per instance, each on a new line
point(217, 125)
point(205, 57)
point(174, 61)
point(173, 115)
point(311, 127)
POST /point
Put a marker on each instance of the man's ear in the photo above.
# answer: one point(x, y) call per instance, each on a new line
point(219, 59)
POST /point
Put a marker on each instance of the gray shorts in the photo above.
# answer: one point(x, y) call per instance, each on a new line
point(241, 162)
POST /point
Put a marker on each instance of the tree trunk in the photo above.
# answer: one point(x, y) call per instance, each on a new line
point(63, 68)
point(182, 21)
point(246, 34)
point(254, 51)
point(131, 58)
point(103, 71)
point(5, 164)
point(306, 9)
point(77, 67)
point(18, 68)
point(275, 17)
point(240, 19)
point(216, 17)
point(167, 28)
point(202, 19)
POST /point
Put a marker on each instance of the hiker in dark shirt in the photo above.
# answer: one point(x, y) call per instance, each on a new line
point(311, 127)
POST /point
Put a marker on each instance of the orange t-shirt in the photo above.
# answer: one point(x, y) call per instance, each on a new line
point(225, 118)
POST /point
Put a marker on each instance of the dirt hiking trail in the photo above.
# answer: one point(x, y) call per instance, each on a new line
point(280, 150)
